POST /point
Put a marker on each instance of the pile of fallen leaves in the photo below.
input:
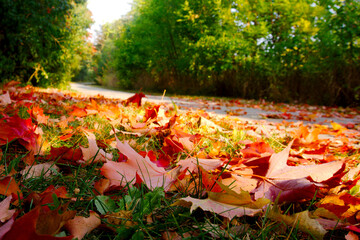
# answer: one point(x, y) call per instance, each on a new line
point(80, 167)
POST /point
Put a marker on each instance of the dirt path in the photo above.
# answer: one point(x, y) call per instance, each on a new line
point(244, 110)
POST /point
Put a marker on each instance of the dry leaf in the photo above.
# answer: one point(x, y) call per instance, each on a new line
point(192, 164)
point(44, 169)
point(5, 99)
point(225, 210)
point(93, 153)
point(80, 226)
point(5, 213)
point(301, 221)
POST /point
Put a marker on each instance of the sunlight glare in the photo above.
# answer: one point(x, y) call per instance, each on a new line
point(104, 11)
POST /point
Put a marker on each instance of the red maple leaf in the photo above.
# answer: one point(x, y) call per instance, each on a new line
point(66, 155)
point(25, 228)
point(8, 186)
point(294, 183)
point(37, 113)
point(209, 181)
point(46, 196)
point(78, 112)
point(23, 130)
point(124, 173)
point(135, 99)
point(172, 146)
point(256, 149)
point(151, 112)
point(161, 161)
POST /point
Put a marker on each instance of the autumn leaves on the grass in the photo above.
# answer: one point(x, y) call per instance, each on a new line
point(186, 154)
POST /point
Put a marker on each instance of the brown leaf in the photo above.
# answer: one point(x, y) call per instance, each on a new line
point(5, 213)
point(8, 186)
point(43, 169)
point(101, 186)
point(122, 217)
point(24, 228)
point(50, 221)
point(80, 226)
point(301, 221)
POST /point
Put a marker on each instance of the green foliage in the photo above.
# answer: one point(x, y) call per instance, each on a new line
point(243, 48)
point(43, 41)
point(104, 204)
point(142, 203)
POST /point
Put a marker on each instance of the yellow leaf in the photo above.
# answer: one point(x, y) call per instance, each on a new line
point(301, 221)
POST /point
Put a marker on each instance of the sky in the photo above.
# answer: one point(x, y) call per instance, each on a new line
point(104, 11)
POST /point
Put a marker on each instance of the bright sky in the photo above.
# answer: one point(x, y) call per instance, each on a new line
point(104, 11)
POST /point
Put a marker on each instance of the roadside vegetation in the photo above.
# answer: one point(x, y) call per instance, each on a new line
point(43, 42)
point(246, 49)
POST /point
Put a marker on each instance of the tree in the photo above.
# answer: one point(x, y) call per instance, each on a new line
point(243, 48)
point(42, 40)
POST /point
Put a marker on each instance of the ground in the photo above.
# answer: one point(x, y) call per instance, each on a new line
point(91, 167)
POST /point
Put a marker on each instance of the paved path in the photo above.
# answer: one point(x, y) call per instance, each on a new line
point(252, 113)
point(209, 106)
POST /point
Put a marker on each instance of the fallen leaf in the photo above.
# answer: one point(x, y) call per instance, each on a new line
point(66, 155)
point(93, 153)
point(5, 213)
point(225, 210)
point(256, 149)
point(210, 124)
point(24, 228)
point(46, 197)
point(80, 226)
point(44, 169)
point(5, 99)
point(305, 138)
point(122, 217)
point(242, 198)
point(351, 236)
point(240, 183)
point(210, 181)
point(135, 99)
point(344, 206)
point(9, 186)
point(123, 173)
point(12, 128)
point(6, 226)
point(294, 183)
point(101, 186)
point(192, 164)
point(38, 114)
point(78, 112)
point(50, 222)
point(151, 112)
point(299, 220)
